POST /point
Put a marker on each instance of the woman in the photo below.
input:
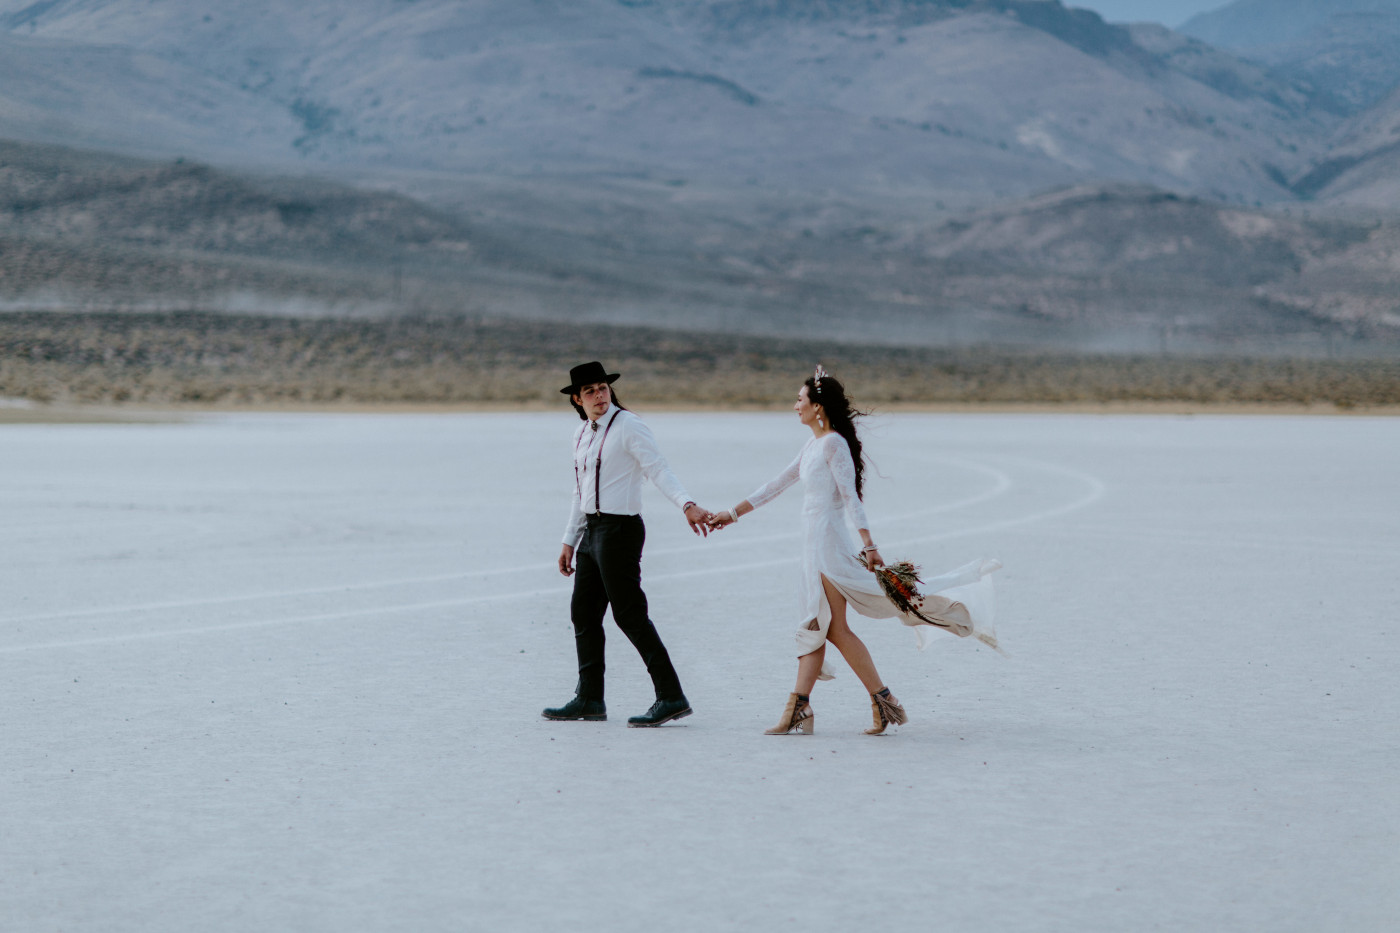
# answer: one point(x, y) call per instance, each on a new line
point(836, 576)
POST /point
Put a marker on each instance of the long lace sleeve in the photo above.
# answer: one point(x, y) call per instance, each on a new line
point(843, 470)
point(771, 489)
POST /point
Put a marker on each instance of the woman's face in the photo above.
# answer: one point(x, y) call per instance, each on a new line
point(807, 410)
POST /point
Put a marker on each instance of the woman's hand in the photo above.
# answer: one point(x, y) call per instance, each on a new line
point(873, 560)
point(722, 518)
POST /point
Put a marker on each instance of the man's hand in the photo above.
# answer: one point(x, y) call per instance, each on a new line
point(699, 519)
point(566, 561)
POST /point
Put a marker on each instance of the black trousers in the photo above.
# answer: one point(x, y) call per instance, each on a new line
point(608, 571)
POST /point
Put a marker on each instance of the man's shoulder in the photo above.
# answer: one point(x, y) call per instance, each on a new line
point(634, 432)
point(629, 419)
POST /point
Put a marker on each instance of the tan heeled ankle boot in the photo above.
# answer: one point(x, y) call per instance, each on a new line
point(797, 717)
point(886, 710)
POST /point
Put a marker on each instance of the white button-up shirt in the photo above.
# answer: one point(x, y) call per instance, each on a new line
point(629, 454)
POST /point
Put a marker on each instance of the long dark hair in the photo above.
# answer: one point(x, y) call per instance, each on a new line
point(583, 416)
point(830, 394)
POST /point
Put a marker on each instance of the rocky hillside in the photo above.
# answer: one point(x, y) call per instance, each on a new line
point(81, 229)
point(1107, 256)
point(1362, 166)
point(1111, 267)
point(47, 192)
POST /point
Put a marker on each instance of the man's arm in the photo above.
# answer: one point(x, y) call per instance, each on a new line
point(573, 528)
point(641, 444)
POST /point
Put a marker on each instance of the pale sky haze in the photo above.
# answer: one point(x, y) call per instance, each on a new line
point(1167, 12)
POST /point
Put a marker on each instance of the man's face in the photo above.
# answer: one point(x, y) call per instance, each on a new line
point(594, 399)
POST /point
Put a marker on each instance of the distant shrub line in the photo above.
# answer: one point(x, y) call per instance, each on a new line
point(198, 358)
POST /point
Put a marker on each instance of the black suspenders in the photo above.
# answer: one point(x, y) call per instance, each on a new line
point(597, 468)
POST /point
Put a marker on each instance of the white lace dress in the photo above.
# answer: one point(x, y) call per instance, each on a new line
point(962, 602)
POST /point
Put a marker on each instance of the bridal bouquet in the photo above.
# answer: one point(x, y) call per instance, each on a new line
point(899, 581)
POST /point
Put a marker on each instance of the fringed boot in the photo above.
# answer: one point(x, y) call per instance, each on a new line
point(886, 710)
point(797, 717)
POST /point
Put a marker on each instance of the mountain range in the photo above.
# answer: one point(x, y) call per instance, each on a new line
point(732, 163)
point(959, 100)
point(1345, 49)
point(1346, 53)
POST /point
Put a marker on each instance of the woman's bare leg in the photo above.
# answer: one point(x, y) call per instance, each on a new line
point(847, 642)
point(808, 667)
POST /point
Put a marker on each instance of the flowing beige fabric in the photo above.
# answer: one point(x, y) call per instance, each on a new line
point(964, 605)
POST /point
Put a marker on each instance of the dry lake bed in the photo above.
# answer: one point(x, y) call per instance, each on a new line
point(285, 672)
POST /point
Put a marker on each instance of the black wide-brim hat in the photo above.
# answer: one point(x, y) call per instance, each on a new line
point(586, 374)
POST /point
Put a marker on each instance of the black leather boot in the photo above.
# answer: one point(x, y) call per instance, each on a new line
point(579, 708)
point(662, 711)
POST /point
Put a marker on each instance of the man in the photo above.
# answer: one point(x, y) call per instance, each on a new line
point(613, 450)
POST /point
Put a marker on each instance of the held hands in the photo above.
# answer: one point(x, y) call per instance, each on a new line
point(700, 519)
point(720, 519)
